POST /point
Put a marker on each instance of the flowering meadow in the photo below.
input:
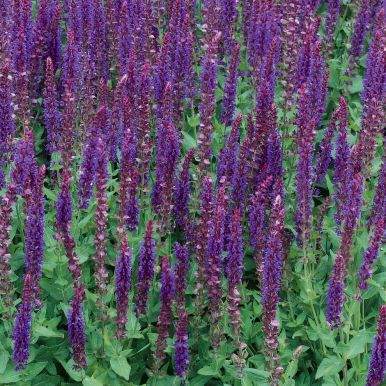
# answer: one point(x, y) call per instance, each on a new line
point(192, 192)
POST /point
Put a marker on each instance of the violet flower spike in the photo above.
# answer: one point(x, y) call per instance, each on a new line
point(122, 287)
point(228, 154)
point(234, 271)
point(377, 367)
point(181, 253)
point(379, 203)
point(181, 345)
point(76, 329)
point(371, 254)
point(182, 194)
point(22, 327)
point(165, 316)
point(214, 265)
point(230, 89)
point(146, 262)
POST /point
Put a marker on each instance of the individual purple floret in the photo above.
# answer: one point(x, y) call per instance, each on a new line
point(165, 315)
point(122, 287)
point(230, 89)
point(377, 367)
point(181, 345)
point(145, 270)
point(365, 271)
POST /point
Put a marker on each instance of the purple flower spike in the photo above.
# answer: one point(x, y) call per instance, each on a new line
point(7, 131)
point(228, 154)
point(206, 211)
point(181, 345)
point(22, 328)
point(377, 368)
point(324, 156)
point(371, 254)
point(235, 273)
point(51, 111)
point(214, 265)
point(335, 293)
point(165, 315)
point(34, 236)
point(182, 194)
point(122, 287)
point(101, 217)
point(182, 266)
point(208, 103)
point(379, 203)
point(228, 104)
point(332, 18)
point(272, 272)
point(145, 270)
point(76, 333)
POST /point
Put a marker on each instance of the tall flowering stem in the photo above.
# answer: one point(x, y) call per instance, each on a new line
point(182, 194)
point(76, 331)
point(208, 104)
point(51, 111)
point(101, 217)
point(379, 203)
point(342, 170)
point(181, 271)
point(377, 367)
point(34, 237)
point(371, 254)
point(373, 99)
point(22, 327)
point(181, 345)
point(214, 265)
point(122, 287)
point(6, 211)
point(228, 154)
point(332, 18)
point(257, 222)
point(234, 275)
point(202, 231)
point(272, 272)
point(229, 100)
point(165, 315)
point(335, 295)
point(146, 262)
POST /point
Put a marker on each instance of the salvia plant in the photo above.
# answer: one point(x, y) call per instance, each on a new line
point(192, 192)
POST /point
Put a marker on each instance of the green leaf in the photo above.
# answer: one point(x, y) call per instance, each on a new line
point(208, 370)
point(88, 381)
point(33, 370)
point(10, 376)
point(4, 357)
point(357, 344)
point(329, 366)
point(121, 367)
point(47, 332)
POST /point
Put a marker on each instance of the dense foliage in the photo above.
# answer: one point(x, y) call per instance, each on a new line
point(192, 192)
